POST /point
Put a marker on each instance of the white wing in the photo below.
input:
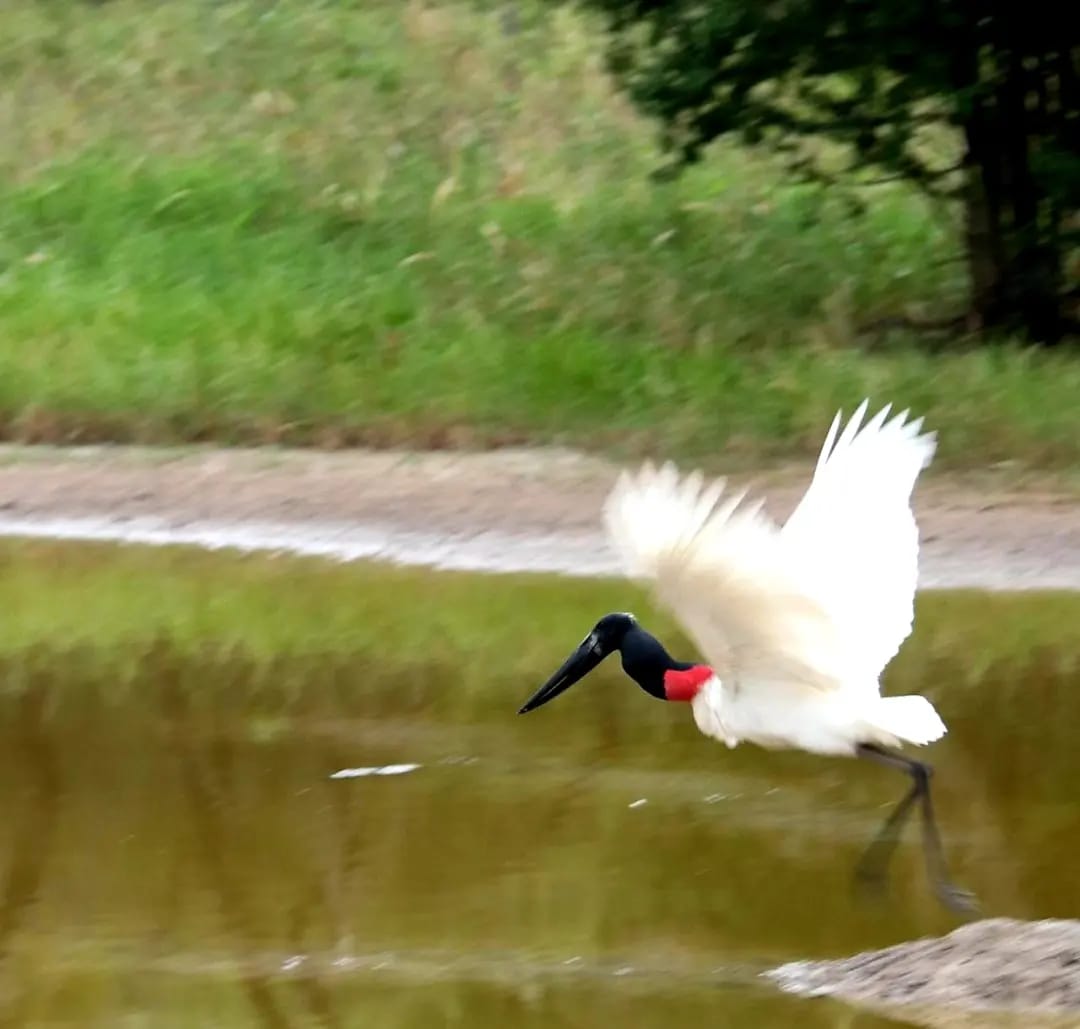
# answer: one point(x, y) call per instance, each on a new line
point(852, 541)
point(719, 567)
point(826, 601)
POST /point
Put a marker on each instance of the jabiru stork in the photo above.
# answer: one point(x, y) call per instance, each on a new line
point(796, 622)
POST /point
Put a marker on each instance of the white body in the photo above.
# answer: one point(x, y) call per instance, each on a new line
point(797, 622)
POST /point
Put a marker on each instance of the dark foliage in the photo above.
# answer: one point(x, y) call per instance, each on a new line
point(973, 101)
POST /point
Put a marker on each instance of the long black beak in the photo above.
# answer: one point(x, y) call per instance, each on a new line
point(575, 667)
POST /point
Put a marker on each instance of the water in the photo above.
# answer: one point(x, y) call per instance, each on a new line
point(209, 821)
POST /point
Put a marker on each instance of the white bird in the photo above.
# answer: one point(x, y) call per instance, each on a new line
point(796, 622)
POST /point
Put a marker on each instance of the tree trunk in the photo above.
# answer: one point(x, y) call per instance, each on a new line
point(1015, 258)
point(983, 251)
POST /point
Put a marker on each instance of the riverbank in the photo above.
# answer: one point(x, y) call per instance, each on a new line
point(510, 510)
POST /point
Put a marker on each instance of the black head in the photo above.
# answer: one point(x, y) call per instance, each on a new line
point(605, 638)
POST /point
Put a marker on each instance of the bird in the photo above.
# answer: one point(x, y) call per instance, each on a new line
point(796, 622)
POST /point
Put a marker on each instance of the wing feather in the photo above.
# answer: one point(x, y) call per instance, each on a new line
point(825, 601)
point(853, 541)
point(718, 564)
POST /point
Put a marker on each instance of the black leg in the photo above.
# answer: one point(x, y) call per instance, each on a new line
point(874, 862)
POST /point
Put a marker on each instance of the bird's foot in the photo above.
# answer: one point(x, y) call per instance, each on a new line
point(870, 882)
point(962, 901)
point(872, 869)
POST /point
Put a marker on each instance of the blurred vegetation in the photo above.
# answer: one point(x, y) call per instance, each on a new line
point(434, 224)
point(975, 104)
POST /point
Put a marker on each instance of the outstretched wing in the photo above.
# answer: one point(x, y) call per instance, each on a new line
point(853, 542)
point(719, 565)
point(824, 602)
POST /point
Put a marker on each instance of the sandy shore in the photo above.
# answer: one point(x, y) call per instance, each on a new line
point(508, 510)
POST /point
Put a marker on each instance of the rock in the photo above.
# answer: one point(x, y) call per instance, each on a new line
point(995, 972)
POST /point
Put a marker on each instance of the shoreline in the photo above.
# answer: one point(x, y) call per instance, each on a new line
point(515, 510)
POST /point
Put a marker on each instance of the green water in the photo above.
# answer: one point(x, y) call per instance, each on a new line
point(175, 853)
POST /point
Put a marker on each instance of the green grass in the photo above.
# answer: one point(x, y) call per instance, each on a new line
point(332, 223)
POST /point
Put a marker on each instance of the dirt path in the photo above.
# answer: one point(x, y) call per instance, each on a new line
point(522, 509)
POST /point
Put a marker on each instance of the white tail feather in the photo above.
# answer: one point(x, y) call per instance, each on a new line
point(911, 719)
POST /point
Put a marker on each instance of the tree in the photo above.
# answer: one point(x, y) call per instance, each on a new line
point(997, 81)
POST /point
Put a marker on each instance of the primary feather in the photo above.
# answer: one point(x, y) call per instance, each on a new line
point(853, 536)
point(798, 622)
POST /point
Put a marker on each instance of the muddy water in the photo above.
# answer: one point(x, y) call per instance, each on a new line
point(201, 828)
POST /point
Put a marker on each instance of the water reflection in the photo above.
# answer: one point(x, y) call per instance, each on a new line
point(175, 846)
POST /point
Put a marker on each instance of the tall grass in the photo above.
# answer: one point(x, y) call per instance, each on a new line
point(329, 223)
